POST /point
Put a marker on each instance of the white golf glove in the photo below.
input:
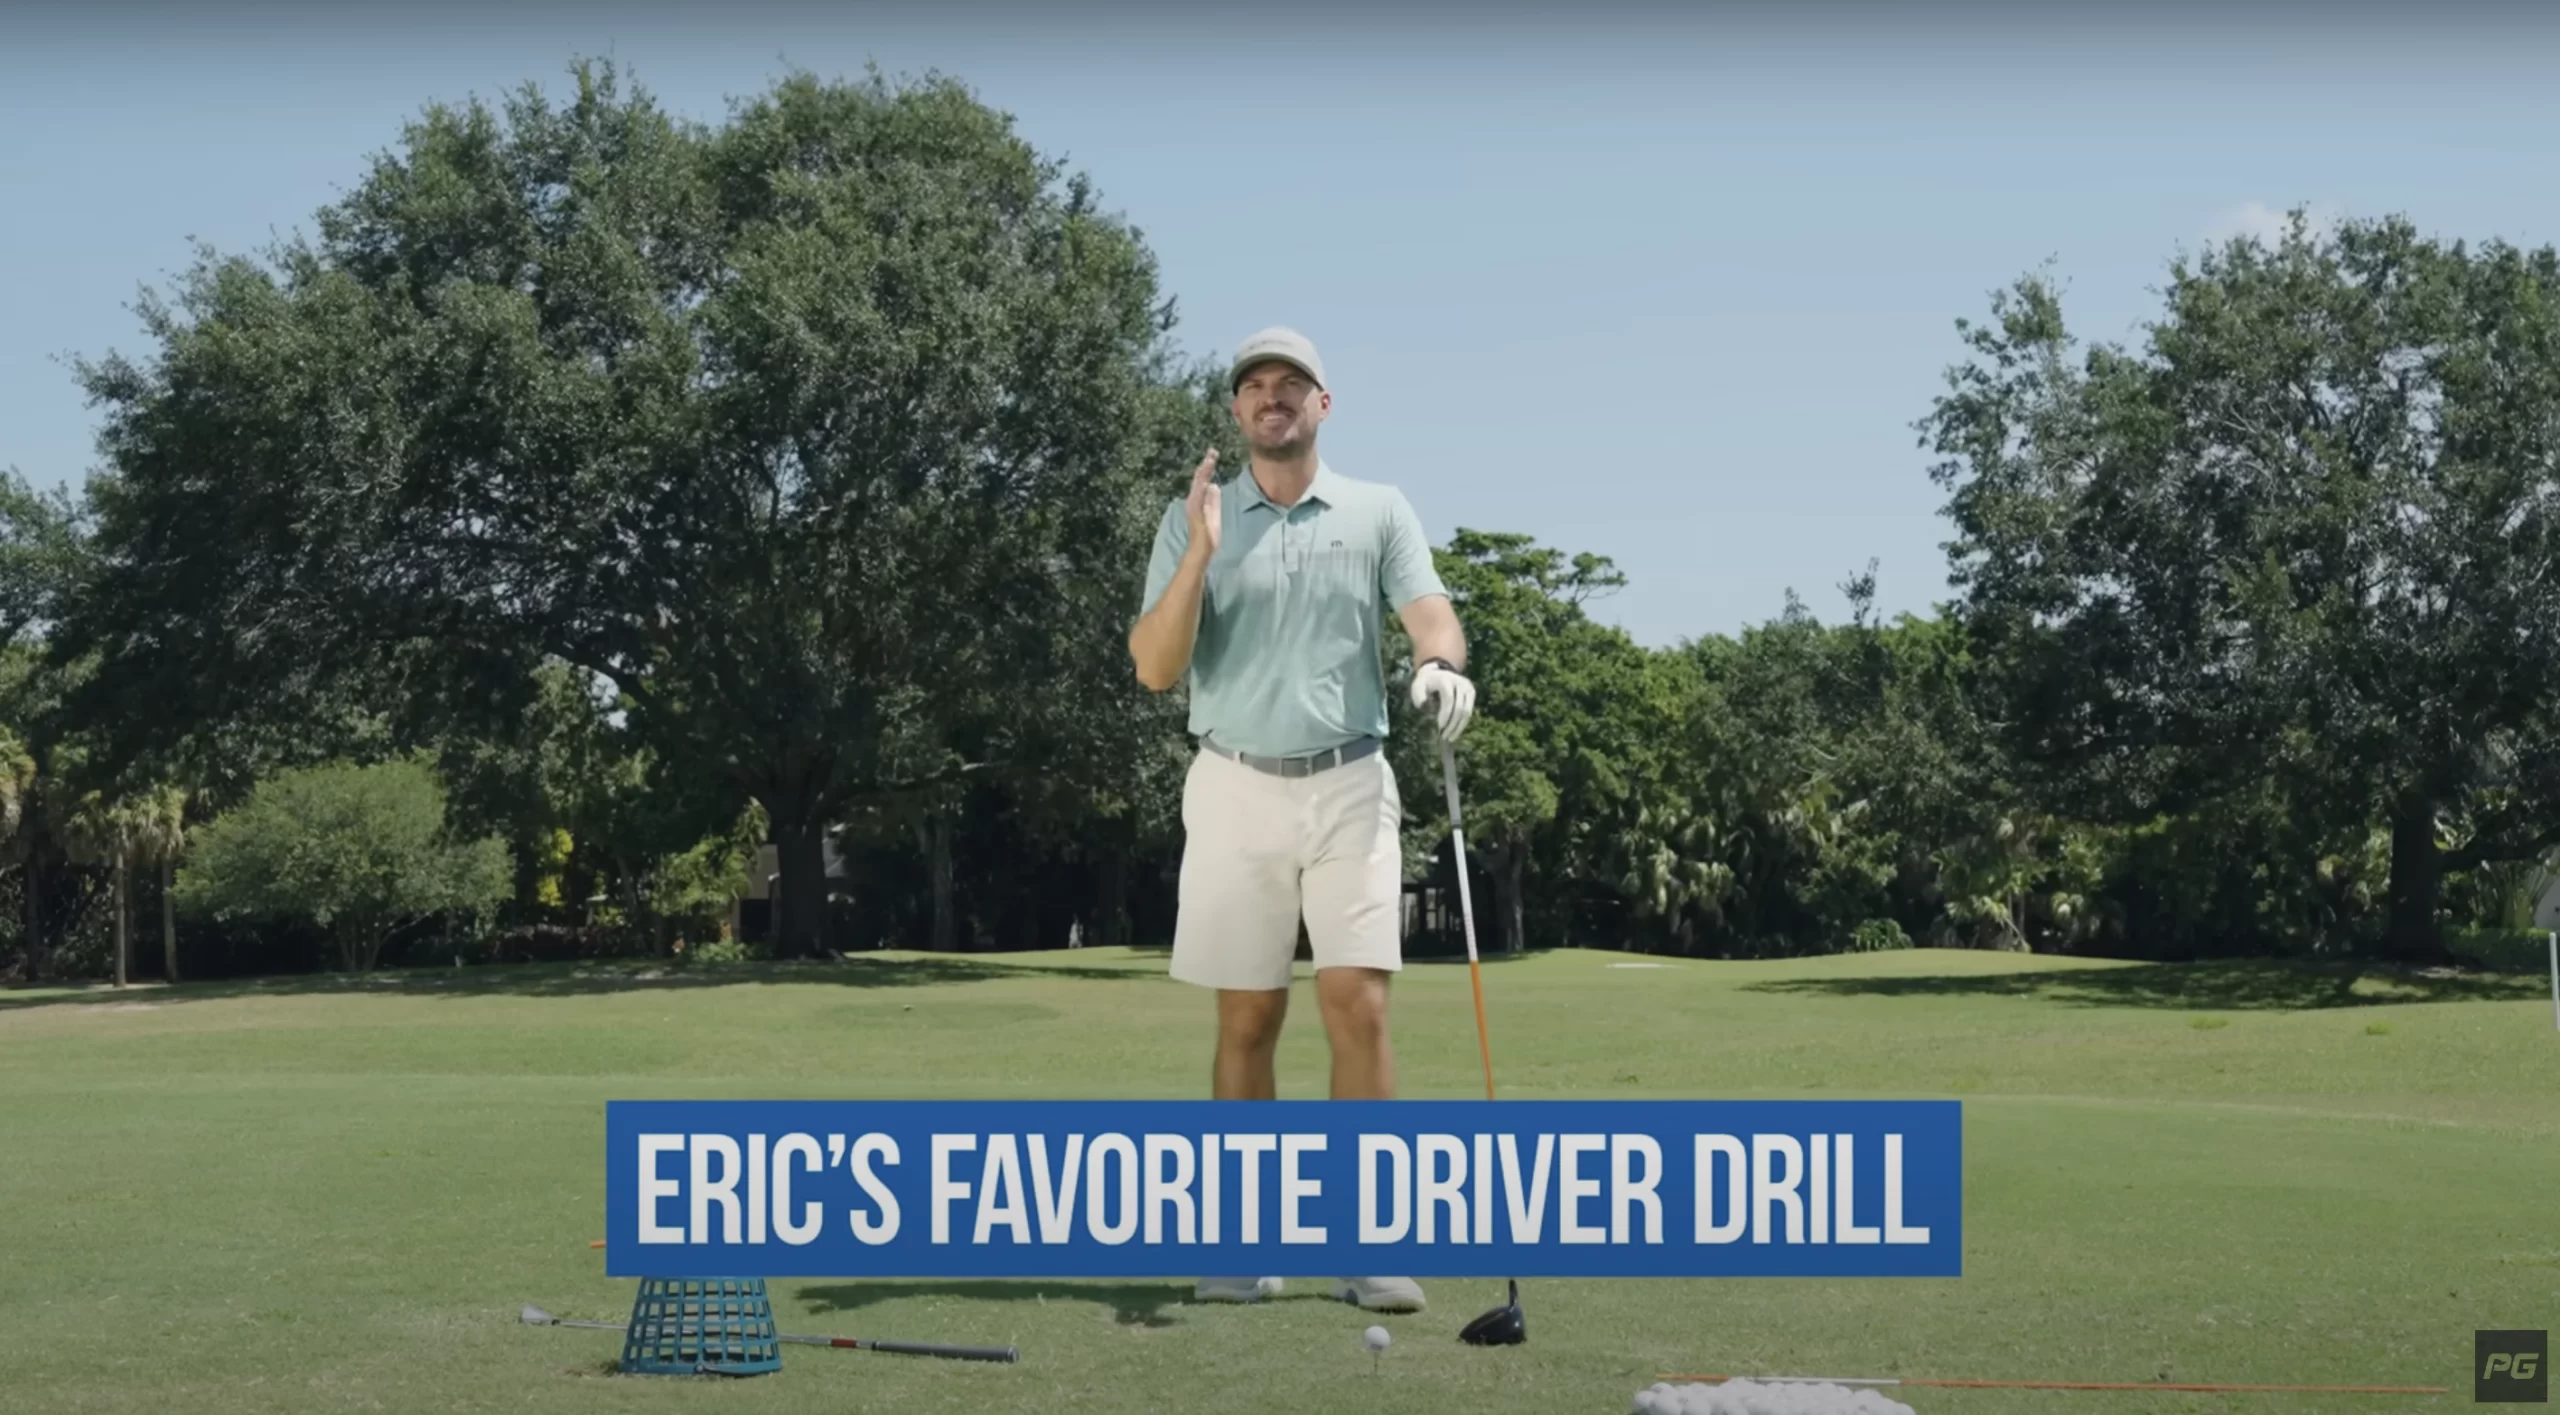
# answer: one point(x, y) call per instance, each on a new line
point(1447, 694)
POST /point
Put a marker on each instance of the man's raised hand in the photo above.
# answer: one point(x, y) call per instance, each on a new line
point(1203, 506)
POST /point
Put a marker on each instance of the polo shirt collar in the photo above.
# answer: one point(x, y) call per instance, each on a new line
point(1324, 490)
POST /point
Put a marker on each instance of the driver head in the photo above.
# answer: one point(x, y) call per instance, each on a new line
point(1505, 1325)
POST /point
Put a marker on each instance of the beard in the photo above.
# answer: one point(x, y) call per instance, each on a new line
point(1291, 442)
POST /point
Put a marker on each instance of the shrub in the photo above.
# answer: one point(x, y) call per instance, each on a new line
point(1877, 936)
point(361, 851)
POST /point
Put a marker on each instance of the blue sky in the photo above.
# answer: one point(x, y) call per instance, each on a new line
point(1670, 291)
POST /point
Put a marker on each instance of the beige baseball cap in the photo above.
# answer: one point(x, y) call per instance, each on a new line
point(1277, 342)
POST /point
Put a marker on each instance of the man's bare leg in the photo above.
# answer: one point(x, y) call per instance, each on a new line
point(1248, 1039)
point(1354, 1002)
point(1364, 1068)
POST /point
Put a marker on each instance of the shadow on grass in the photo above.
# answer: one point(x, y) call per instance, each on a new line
point(1164, 951)
point(597, 977)
point(2237, 986)
point(1132, 1304)
point(587, 979)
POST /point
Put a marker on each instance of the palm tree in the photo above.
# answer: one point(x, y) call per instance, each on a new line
point(1673, 872)
point(145, 828)
point(158, 837)
point(91, 835)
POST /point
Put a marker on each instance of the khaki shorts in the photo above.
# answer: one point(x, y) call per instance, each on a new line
point(1261, 852)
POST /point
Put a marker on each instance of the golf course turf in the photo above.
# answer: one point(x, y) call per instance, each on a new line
point(317, 1194)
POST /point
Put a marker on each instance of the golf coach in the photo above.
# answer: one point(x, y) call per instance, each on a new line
point(1267, 595)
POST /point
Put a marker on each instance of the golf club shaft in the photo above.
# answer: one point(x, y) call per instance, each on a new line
point(591, 1326)
point(1466, 906)
point(895, 1348)
point(1467, 913)
point(954, 1353)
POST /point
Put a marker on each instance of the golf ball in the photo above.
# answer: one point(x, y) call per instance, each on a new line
point(1377, 1338)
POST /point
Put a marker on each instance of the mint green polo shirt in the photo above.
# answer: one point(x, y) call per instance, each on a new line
point(1289, 657)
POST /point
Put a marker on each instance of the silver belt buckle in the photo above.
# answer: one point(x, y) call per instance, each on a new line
point(1329, 758)
point(1285, 767)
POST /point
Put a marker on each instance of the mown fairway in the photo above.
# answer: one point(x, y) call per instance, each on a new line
point(326, 1197)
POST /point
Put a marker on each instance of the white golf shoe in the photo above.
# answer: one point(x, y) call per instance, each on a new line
point(1236, 1289)
point(1379, 1294)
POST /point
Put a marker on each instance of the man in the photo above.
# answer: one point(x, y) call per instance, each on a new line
point(1265, 595)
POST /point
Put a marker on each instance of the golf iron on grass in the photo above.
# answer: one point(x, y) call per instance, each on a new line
point(1505, 1325)
point(536, 1317)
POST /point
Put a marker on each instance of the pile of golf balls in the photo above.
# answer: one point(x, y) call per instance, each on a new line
point(1764, 1398)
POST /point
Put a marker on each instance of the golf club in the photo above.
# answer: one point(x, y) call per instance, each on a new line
point(1505, 1325)
point(536, 1317)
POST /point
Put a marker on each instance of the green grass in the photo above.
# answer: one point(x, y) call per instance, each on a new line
point(312, 1195)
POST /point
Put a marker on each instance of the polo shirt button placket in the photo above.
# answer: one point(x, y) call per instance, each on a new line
point(1292, 565)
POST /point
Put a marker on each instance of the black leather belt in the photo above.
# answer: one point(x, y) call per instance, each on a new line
point(1307, 765)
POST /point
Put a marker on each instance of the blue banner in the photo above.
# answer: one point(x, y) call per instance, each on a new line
point(1413, 1188)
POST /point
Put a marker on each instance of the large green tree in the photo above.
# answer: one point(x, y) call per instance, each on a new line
point(45, 555)
point(568, 772)
point(1569, 724)
point(1099, 768)
point(2303, 540)
point(797, 430)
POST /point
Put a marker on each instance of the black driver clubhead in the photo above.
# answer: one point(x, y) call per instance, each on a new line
point(1505, 1325)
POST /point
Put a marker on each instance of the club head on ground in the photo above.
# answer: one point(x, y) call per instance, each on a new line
point(536, 1317)
point(1505, 1325)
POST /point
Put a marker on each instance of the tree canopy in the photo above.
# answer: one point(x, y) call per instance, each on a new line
point(807, 433)
point(2304, 541)
point(596, 495)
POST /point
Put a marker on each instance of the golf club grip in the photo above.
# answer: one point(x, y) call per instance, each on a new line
point(956, 1353)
